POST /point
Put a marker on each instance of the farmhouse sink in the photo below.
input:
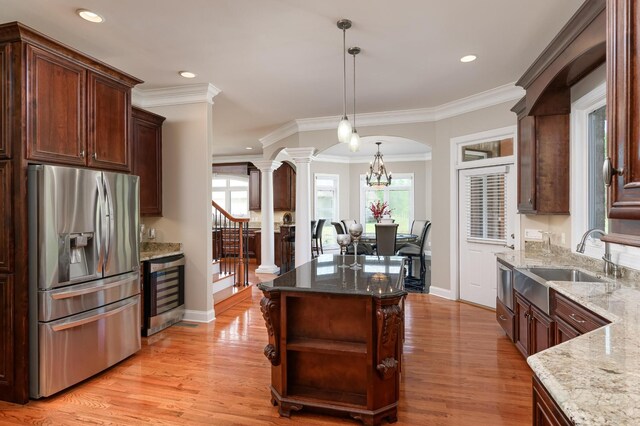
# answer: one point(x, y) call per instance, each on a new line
point(532, 282)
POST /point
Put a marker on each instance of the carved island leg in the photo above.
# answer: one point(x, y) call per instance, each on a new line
point(270, 308)
point(286, 407)
point(388, 322)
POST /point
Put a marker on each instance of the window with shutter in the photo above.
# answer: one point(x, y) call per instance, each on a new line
point(486, 205)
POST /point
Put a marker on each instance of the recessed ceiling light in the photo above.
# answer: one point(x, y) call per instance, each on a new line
point(90, 16)
point(187, 74)
point(468, 58)
point(249, 147)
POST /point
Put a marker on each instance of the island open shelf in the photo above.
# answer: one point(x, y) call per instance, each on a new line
point(335, 337)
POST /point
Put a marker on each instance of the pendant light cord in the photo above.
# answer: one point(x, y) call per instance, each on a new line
point(344, 72)
point(354, 92)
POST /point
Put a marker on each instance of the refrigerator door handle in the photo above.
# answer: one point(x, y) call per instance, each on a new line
point(102, 287)
point(94, 318)
point(100, 224)
point(108, 219)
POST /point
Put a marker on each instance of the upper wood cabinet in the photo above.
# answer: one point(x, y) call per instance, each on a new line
point(56, 112)
point(543, 114)
point(284, 188)
point(623, 119)
point(109, 112)
point(255, 190)
point(78, 110)
point(147, 159)
point(6, 218)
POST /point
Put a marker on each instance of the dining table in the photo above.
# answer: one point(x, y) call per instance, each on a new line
point(370, 237)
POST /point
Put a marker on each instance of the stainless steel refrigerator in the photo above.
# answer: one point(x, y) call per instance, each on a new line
point(84, 274)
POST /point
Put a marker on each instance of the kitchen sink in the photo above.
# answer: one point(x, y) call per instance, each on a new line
point(532, 282)
point(559, 274)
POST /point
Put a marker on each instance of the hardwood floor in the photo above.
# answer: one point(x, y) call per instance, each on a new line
point(459, 369)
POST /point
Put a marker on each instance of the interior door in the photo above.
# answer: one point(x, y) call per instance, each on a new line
point(486, 205)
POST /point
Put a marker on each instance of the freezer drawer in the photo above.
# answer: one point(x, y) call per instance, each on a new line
point(71, 300)
point(75, 348)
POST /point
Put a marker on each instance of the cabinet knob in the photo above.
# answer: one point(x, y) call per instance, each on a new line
point(530, 201)
point(608, 172)
point(502, 318)
point(82, 154)
point(95, 155)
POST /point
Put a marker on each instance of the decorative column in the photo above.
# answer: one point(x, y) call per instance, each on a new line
point(268, 265)
point(302, 157)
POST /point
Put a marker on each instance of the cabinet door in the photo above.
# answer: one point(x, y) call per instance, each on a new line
point(254, 189)
point(5, 78)
point(109, 112)
point(564, 332)
point(6, 221)
point(623, 100)
point(56, 120)
point(6, 335)
point(542, 331)
point(527, 165)
point(505, 318)
point(545, 410)
point(522, 325)
point(282, 188)
point(147, 160)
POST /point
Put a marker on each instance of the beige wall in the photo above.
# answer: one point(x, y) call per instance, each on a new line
point(186, 181)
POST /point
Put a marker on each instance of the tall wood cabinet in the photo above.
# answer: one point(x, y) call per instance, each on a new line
point(147, 159)
point(58, 106)
point(284, 188)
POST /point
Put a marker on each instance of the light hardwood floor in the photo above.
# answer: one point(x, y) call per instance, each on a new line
point(459, 369)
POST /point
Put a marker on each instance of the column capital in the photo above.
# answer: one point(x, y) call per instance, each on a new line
point(301, 155)
point(267, 165)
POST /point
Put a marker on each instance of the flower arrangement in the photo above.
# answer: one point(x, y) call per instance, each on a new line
point(379, 209)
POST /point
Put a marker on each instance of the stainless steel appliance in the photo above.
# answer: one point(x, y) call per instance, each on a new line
point(505, 285)
point(84, 280)
point(163, 293)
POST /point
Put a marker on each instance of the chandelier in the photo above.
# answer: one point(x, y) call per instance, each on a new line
point(378, 175)
point(344, 127)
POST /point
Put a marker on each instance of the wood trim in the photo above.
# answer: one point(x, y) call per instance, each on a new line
point(5, 105)
point(15, 31)
point(567, 35)
point(6, 218)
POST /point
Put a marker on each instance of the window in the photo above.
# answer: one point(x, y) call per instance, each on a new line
point(486, 206)
point(326, 205)
point(232, 194)
point(399, 196)
point(597, 140)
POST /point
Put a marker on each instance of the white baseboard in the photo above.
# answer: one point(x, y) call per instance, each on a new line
point(441, 292)
point(268, 269)
point(199, 316)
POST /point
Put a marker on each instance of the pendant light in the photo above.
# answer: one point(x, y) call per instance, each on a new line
point(354, 140)
point(344, 127)
point(377, 176)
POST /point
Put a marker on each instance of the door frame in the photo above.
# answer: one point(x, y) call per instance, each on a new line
point(455, 145)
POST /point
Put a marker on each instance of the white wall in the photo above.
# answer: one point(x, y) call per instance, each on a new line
point(186, 181)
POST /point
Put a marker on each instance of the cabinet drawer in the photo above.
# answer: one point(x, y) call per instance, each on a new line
point(578, 317)
point(505, 318)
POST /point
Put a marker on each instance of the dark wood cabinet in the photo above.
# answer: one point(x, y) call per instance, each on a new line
point(255, 189)
point(575, 318)
point(546, 411)
point(109, 113)
point(56, 108)
point(564, 332)
point(6, 335)
point(505, 318)
point(277, 248)
point(543, 164)
point(623, 121)
point(5, 112)
point(6, 218)
point(147, 159)
point(534, 329)
point(284, 189)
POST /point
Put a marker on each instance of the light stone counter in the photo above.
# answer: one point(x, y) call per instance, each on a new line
point(594, 378)
point(149, 250)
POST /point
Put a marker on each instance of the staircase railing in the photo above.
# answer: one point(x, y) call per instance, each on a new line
point(231, 244)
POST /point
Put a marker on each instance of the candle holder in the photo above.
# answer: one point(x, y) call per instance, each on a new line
point(343, 241)
point(355, 231)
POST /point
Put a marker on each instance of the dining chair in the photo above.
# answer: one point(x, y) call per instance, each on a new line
point(417, 226)
point(339, 228)
point(417, 251)
point(316, 238)
point(386, 238)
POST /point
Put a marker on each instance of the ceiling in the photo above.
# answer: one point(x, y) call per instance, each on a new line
point(279, 60)
point(391, 147)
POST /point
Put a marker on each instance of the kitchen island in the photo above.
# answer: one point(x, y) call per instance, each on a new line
point(335, 337)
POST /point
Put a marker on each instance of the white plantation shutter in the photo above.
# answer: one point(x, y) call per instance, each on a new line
point(486, 205)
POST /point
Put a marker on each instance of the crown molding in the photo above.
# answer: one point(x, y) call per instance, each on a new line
point(224, 159)
point(367, 159)
point(498, 95)
point(178, 95)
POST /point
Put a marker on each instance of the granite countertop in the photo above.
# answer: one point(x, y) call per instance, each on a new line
point(380, 276)
point(149, 250)
point(594, 378)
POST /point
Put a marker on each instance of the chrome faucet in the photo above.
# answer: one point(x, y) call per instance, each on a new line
point(610, 268)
